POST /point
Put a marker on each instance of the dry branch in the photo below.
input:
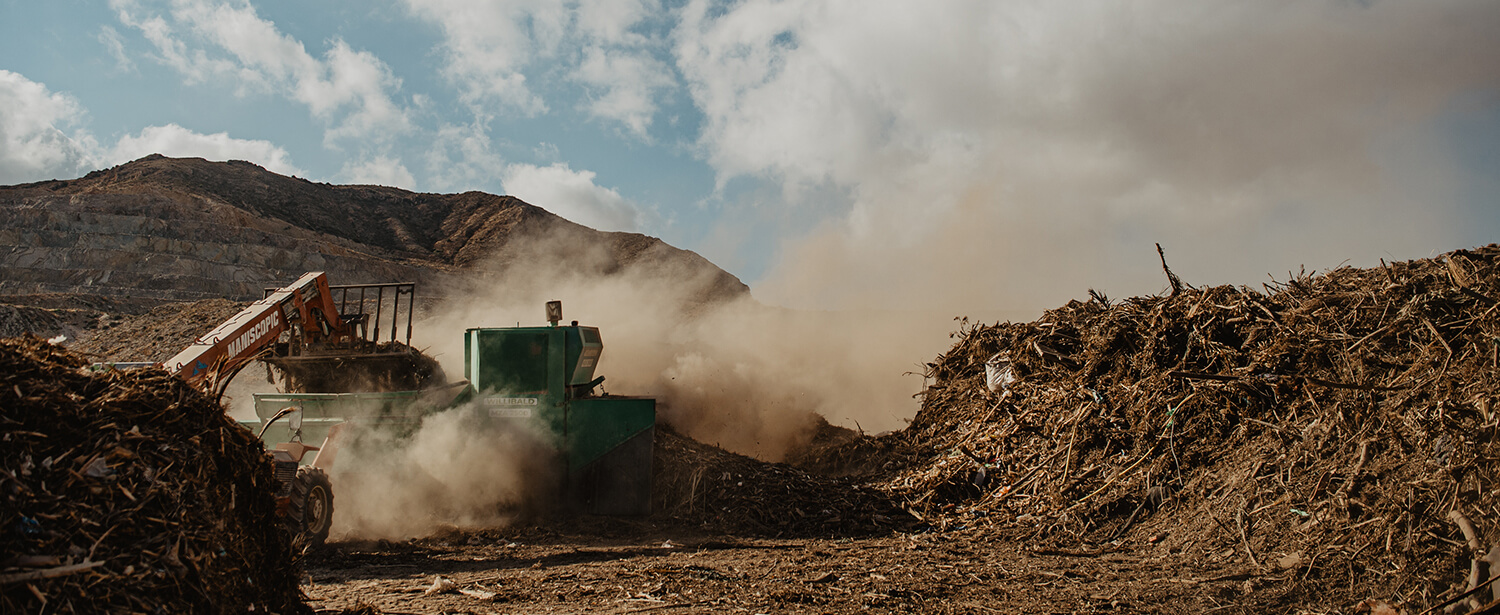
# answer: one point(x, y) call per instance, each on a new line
point(48, 573)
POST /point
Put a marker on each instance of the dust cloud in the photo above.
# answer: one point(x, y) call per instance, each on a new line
point(724, 368)
point(454, 470)
point(1032, 151)
point(239, 396)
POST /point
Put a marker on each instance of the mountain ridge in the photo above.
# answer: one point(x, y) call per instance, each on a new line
point(175, 229)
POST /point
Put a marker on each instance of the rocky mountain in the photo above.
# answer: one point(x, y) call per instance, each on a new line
point(177, 229)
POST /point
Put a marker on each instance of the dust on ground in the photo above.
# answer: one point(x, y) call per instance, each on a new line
point(730, 534)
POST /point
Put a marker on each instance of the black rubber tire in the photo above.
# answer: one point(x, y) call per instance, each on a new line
point(311, 507)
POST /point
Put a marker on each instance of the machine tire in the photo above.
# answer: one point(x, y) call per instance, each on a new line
point(311, 507)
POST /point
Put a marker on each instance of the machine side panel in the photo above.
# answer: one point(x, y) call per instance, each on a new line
point(557, 360)
point(619, 482)
point(610, 447)
point(469, 373)
point(598, 424)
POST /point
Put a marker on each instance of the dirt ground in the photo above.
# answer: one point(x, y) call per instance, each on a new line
point(608, 565)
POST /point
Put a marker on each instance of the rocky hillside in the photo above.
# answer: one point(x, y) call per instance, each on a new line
point(174, 229)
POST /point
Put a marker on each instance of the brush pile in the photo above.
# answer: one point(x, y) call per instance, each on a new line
point(130, 492)
point(21, 319)
point(720, 491)
point(1340, 428)
point(158, 334)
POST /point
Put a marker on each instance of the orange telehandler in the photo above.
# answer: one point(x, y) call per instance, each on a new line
point(339, 372)
point(320, 337)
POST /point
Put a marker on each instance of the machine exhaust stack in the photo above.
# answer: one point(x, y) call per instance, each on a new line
point(554, 312)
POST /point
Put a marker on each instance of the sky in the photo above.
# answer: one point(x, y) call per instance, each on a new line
point(977, 157)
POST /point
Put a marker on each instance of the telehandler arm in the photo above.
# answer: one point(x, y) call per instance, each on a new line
point(305, 308)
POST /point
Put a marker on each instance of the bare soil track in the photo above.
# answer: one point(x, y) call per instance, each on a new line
point(605, 566)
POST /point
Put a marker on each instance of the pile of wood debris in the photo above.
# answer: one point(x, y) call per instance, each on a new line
point(131, 492)
point(22, 319)
point(1340, 428)
point(158, 334)
point(716, 490)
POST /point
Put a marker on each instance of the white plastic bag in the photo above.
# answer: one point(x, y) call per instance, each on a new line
point(997, 373)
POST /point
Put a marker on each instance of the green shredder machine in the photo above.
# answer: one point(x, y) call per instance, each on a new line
point(545, 375)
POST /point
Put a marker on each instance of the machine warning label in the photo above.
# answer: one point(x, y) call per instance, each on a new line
point(513, 412)
point(510, 401)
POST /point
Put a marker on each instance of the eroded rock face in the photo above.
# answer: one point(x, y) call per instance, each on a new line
point(181, 229)
point(155, 246)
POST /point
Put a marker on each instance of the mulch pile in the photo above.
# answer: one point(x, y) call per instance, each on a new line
point(157, 335)
point(74, 316)
point(1337, 429)
point(716, 490)
point(131, 492)
point(22, 319)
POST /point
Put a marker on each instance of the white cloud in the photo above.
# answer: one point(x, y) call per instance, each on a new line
point(178, 142)
point(379, 171)
point(974, 136)
point(207, 39)
point(33, 144)
point(193, 64)
point(546, 151)
point(612, 22)
point(630, 82)
point(359, 79)
point(461, 159)
point(34, 147)
point(490, 43)
point(572, 195)
point(493, 48)
point(110, 38)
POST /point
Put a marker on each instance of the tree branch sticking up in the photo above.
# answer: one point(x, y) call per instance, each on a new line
point(1171, 277)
